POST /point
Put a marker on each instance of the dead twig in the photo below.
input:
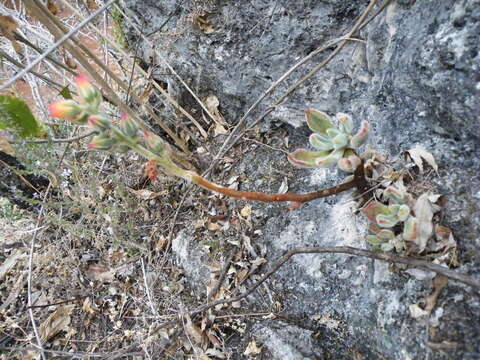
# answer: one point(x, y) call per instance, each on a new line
point(222, 277)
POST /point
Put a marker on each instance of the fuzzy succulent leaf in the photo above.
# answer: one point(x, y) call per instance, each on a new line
point(331, 159)
point(340, 141)
point(361, 136)
point(374, 240)
point(346, 122)
point(386, 220)
point(386, 247)
point(349, 163)
point(386, 234)
point(318, 121)
point(320, 142)
point(403, 212)
point(306, 158)
point(374, 228)
point(373, 209)
point(394, 193)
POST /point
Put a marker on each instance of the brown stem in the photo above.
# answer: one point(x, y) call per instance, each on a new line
point(358, 182)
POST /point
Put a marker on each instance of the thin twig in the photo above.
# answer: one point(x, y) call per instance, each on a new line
point(222, 277)
point(56, 141)
point(67, 354)
point(29, 277)
point(59, 42)
point(147, 290)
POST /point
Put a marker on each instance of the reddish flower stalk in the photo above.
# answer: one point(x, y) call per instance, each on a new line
point(358, 182)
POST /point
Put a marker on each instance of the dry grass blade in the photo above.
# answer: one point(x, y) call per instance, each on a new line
point(55, 45)
point(166, 63)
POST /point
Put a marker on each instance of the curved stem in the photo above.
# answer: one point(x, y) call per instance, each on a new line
point(358, 182)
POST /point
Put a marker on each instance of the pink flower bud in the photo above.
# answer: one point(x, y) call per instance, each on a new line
point(87, 91)
point(99, 122)
point(128, 126)
point(154, 142)
point(101, 142)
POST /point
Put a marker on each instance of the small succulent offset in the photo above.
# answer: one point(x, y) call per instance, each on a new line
point(414, 217)
point(385, 217)
point(335, 145)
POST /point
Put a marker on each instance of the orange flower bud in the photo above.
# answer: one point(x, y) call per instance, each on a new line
point(66, 109)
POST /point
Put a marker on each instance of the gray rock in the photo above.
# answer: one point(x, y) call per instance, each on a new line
point(416, 79)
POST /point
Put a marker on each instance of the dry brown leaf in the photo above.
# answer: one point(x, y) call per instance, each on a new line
point(92, 4)
point(212, 103)
point(213, 226)
point(53, 7)
point(57, 321)
point(193, 331)
point(445, 239)
point(7, 26)
point(10, 262)
point(418, 154)
point(439, 283)
point(6, 147)
point(145, 194)
point(252, 349)
point(201, 20)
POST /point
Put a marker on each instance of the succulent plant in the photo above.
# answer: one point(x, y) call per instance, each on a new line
point(385, 217)
point(334, 145)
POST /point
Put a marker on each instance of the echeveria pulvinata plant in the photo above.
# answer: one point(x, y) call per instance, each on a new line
point(126, 135)
point(333, 144)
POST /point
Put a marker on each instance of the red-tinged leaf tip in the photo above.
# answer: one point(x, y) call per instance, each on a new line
point(373, 209)
point(123, 116)
point(82, 81)
point(66, 109)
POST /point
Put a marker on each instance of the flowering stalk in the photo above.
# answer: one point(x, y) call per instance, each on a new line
point(126, 136)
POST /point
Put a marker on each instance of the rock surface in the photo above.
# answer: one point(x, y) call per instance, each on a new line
point(416, 78)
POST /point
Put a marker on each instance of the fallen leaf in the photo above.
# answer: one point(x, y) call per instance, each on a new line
point(58, 321)
point(7, 26)
point(10, 262)
point(417, 312)
point(145, 194)
point(193, 331)
point(439, 283)
point(423, 213)
point(418, 154)
point(252, 349)
point(246, 211)
point(213, 226)
point(6, 147)
point(212, 103)
point(201, 20)
point(92, 4)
